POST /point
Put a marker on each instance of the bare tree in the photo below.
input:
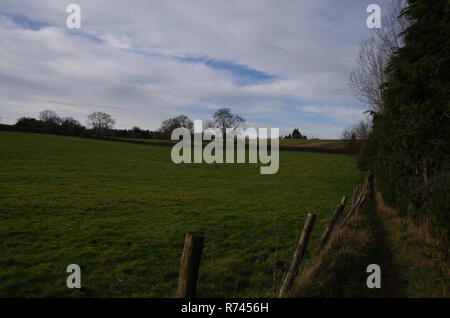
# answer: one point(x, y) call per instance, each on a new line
point(169, 125)
point(362, 129)
point(368, 78)
point(100, 123)
point(223, 118)
point(347, 134)
point(393, 24)
point(208, 124)
point(50, 118)
point(359, 131)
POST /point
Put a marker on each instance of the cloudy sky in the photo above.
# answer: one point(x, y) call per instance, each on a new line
point(278, 63)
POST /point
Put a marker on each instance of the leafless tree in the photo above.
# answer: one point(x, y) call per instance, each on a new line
point(169, 125)
point(368, 78)
point(50, 118)
point(363, 129)
point(347, 135)
point(100, 122)
point(223, 118)
point(359, 131)
point(208, 124)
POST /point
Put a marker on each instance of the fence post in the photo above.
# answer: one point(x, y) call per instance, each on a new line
point(344, 200)
point(355, 193)
point(298, 256)
point(326, 235)
point(190, 264)
point(353, 209)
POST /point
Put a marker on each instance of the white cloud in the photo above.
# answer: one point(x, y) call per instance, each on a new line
point(310, 45)
point(340, 113)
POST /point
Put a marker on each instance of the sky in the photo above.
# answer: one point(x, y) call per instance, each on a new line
point(277, 63)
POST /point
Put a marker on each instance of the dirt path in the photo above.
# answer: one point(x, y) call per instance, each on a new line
point(390, 281)
point(313, 144)
point(413, 264)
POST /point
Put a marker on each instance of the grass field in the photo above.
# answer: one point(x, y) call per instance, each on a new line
point(148, 140)
point(121, 211)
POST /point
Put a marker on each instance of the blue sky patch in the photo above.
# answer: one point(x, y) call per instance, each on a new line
point(242, 74)
point(25, 22)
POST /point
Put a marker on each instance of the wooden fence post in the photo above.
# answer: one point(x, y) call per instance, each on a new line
point(190, 264)
point(326, 235)
point(344, 200)
point(353, 209)
point(298, 256)
point(355, 194)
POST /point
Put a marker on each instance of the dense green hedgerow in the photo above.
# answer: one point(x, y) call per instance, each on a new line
point(409, 148)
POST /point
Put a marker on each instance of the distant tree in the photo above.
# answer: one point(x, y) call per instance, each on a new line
point(346, 134)
point(223, 118)
point(101, 123)
point(355, 135)
point(50, 118)
point(29, 123)
point(363, 129)
point(296, 134)
point(72, 127)
point(169, 125)
point(359, 131)
point(208, 124)
point(136, 132)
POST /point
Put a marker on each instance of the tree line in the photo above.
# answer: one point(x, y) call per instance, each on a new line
point(100, 124)
point(403, 76)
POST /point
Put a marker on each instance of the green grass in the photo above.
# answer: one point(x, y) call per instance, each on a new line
point(339, 270)
point(121, 211)
point(413, 263)
point(421, 261)
point(147, 140)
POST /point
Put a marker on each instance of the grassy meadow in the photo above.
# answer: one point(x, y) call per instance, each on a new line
point(121, 211)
